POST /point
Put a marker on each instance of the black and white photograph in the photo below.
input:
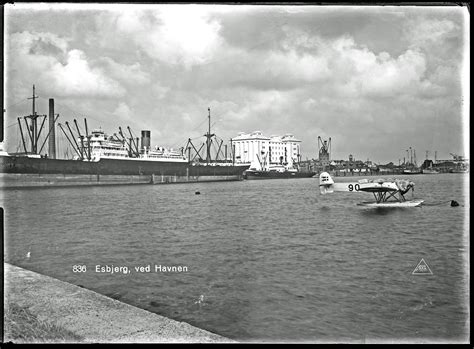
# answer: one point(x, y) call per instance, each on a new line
point(236, 173)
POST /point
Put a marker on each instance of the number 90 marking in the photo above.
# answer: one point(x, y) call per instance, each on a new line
point(352, 187)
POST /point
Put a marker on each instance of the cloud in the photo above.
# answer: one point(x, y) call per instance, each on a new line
point(424, 31)
point(77, 78)
point(27, 50)
point(339, 65)
point(292, 65)
point(47, 44)
point(389, 77)
point(131, 74)
point(123, 111)
point(175, 35)
point(45, 57)
point(354, 70)
point(159, 91)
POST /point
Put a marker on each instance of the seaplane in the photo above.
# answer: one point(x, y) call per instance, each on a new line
point(387, 193)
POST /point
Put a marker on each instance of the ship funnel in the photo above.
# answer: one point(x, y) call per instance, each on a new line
point(146, 140)
point(52, 135)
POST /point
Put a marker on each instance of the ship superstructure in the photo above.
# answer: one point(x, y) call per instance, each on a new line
point(102, 146)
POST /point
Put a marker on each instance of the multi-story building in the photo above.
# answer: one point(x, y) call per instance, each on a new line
point(250, 147)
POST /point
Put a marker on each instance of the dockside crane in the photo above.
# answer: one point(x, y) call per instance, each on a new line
point(81, 137)
point(73, 145)
point(127, 142)
point(457, 157)
point(135, 144)
point(77, 148)
point(49, 132)
point(88, 136)
point(324, 148)
point(197, 152)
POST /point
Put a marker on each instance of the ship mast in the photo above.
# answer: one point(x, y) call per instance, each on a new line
point(34, 126)
point(32, 129)
point(208, 136)
point(206, 146)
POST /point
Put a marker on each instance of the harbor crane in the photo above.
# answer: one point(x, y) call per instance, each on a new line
point(457, 157)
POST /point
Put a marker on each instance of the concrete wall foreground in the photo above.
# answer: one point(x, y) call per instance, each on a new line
point(92, 316)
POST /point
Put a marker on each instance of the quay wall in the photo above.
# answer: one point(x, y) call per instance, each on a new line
point(20, 180)
point(91, 316)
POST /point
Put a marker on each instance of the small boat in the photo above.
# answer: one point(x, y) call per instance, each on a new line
point(459, 170)
point(412, 171)
point(430, 171)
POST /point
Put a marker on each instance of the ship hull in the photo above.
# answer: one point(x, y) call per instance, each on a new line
point(18, 171)
point(412, 172)
point(425, 171)
point(252, 175)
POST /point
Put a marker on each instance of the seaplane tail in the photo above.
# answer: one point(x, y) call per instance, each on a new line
point(327, 185)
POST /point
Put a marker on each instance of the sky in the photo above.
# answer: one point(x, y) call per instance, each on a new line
point(376, 79)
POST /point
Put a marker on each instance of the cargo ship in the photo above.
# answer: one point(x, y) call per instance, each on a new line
point(103, 159)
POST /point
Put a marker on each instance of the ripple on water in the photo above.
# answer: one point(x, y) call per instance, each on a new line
point(267, 260)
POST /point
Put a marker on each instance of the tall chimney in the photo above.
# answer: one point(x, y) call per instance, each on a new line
point(52, 135)
point(146, 139)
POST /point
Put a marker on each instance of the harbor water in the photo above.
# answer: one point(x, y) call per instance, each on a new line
point(258, 260)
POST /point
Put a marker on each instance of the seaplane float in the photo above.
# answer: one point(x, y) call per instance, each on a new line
point(387, 193)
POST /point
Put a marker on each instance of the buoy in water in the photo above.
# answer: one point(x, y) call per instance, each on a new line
point(454, 203)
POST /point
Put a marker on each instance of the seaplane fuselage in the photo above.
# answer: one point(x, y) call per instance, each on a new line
point(387, 193)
